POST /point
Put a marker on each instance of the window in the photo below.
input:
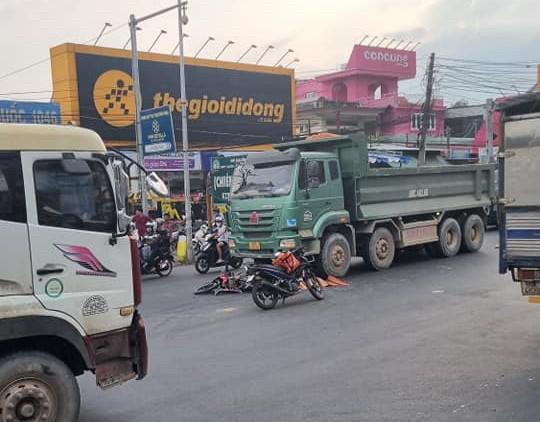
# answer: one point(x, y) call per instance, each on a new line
point(334, 170)
point(315, 174)
point(309, 95)
point(416, 121)
point(74, 200)
point(12, 200)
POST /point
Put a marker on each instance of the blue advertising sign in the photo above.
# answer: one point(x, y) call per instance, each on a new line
point(157, 131)
point(29, 112)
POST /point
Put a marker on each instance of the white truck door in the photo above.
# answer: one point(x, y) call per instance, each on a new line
point(15, 273)
point(71, 216)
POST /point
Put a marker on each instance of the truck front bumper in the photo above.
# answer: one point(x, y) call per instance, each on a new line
point(263, 248)
point(120, 355)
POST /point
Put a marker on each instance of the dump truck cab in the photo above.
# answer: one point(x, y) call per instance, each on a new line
point(70, 282)
point(280, 198)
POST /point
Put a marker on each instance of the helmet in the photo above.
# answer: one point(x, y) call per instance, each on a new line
point(159, 222)
point(151, 227)
point(219, 219)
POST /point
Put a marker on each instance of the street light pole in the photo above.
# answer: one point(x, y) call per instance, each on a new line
point(178, 44)
point(107, 24)
point(264, 53)
point(283, 56)
point(129, 39)
point(204, 45)
point(224, 48)
point(156, 40)
point(182, 20)
point(138, 107)
point(251, 47)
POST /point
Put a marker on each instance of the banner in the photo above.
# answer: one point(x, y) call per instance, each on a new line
point(29, 112)
point(222, 172)
point(172, 163)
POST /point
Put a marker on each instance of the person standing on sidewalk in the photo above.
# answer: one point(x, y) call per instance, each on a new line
point(140, 219)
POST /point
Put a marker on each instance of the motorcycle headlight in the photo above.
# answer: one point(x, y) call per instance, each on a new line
point(232, 244)
point(287, 243)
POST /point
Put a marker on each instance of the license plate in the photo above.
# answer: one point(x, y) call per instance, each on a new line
point(255, 246)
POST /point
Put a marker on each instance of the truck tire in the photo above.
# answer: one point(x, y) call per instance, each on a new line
point(379, 249)
point(36, 386)
point(473, 231)
point(449, 241)
point(336, 255)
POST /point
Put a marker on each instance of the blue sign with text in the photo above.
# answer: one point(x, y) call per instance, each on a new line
point(157, 131)
point(29, 112)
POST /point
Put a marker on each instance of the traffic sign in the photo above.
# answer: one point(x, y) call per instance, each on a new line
point(157, 131)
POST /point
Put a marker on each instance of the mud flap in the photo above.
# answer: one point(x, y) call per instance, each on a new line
point(121, 355)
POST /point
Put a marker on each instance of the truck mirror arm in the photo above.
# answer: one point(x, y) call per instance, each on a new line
point(113, 240)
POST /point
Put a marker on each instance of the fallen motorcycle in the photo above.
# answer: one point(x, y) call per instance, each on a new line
point(283, 278)
point(226, 282)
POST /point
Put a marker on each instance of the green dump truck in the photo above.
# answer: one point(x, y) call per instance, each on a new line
point(339, 199)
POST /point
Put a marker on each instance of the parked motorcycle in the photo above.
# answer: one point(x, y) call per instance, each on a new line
point(208, 256)
point(162, 262)
point(283, 279)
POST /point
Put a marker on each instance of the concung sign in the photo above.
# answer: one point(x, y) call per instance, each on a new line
point(401, 60)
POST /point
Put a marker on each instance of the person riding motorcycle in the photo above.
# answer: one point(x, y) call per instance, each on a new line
point(222, 235)
point(158, 239)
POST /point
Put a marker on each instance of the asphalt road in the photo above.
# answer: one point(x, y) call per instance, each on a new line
point(428, 340)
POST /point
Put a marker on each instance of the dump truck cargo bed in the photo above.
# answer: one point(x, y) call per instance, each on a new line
point(375, 193)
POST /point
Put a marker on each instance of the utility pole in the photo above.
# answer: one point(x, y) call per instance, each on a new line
point(489, 130)
point(183, 20)
point(138, 108)
point(426, 112)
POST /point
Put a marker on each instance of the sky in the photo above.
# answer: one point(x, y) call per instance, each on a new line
point(321, 33)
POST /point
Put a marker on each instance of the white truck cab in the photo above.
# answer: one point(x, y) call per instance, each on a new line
point(69, 274)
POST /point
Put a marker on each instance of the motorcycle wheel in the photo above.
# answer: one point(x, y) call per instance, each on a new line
point(207, 288)
point(313, 285)
point(202, 266)
point(236, 263)
point(264, 297)
point(164, 267)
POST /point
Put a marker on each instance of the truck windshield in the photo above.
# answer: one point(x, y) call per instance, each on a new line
point(264, 179)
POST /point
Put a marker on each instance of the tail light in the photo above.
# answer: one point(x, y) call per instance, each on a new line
point(135, 271)
point(528, 274)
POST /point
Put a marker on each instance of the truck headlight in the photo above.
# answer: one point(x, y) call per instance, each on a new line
point(232, 244)
point(287, 243)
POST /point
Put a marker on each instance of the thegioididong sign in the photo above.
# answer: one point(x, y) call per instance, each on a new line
point(227, 103)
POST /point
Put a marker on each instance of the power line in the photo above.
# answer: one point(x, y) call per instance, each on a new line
point(24, 68)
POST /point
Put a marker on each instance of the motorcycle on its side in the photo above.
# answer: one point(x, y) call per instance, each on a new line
point(285, 277)
point(208, 256)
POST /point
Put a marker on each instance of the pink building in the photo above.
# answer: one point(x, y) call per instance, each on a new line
point(370, 81)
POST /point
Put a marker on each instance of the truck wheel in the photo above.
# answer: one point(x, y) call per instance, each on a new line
point(449, 241)
point(473, 233)
point(36, 386)
point(379, 249)
point(336, 255)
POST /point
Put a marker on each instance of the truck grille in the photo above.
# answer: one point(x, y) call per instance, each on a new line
point(260, 231)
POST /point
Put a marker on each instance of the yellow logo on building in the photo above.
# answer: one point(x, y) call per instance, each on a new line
point(114, 98)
